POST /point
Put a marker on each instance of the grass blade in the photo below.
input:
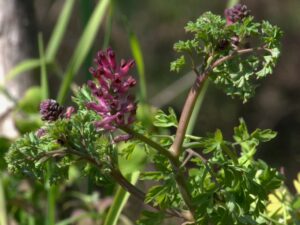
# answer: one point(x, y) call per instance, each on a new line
point(82, 49)
point(44, 78)
point(59, 30)
point(119, 202)
point(23, 67)
point(138, 56)
point(108, 26)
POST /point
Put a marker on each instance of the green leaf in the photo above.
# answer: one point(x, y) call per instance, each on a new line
point(264, 135)
point(136, 160)
point(241, 132)
point(151, 218)
point(153, 175)
point(212, 143)
point(165, 120)
point(178, 64)
point(138, 56)
point(208, 28)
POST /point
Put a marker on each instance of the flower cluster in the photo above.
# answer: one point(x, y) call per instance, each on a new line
point(113, 102)
point(236, 14)
point(50, 110)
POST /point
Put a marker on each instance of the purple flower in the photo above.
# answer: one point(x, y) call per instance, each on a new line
point(111, 91)
point(69, 112)
point(50, 110)
point(236, 14)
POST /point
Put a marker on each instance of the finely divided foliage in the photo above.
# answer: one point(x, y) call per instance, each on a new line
point(205, 180)
point(253, 49)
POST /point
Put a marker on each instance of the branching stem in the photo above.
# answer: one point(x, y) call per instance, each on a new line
point(176, 148)
point(151, 143)
point(194, 93)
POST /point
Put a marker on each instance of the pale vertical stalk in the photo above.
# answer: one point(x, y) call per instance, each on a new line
point(3, 215)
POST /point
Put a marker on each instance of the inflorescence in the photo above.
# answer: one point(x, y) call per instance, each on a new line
point(112, 100)
point(236, 13)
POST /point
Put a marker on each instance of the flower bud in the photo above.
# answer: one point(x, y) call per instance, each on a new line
point(50, 110)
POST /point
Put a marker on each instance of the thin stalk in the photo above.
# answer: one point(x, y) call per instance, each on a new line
point(3, 214)
point(51, 200)
point(44, 78)
point(51, 190)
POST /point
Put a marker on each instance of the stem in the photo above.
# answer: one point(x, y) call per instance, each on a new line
point(122, 181)
point(120, 198)
point(151, 143)
point(179, 175)
point(193, 95)
point(186, 114)
point(185, 117)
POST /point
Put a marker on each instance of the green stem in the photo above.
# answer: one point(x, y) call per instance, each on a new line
point(51, 199)
point(151, 143)
point(44, 79)
point(3, 215)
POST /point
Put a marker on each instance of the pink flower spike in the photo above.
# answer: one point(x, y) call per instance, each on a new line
point(97, 108)
point(113, 102)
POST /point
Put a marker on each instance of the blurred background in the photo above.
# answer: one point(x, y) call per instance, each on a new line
point(55, 39)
